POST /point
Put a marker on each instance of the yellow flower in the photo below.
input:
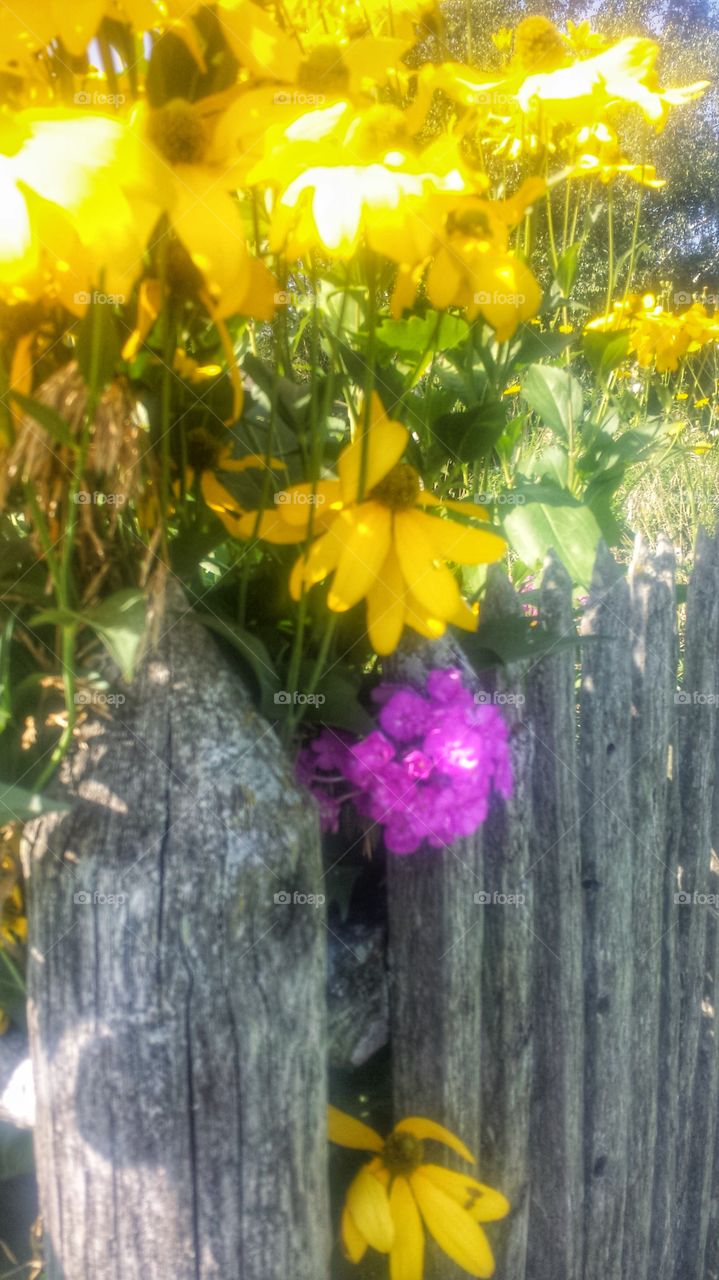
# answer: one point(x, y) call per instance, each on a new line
point(345, 174)
point(397, 1191)
point(207, 455)
point(195, 147)
point(80, 196)
point(379, 540)
point(596, 152)
point(472, 266)
point(621, 75)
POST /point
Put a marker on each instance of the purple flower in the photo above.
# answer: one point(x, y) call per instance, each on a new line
point(405, 715)
point(426, 775)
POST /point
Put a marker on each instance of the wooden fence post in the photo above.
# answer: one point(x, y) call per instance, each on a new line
point(557, 1122)
point(605, 754)
point(177, 990)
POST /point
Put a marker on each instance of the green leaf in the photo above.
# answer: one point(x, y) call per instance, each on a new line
point(13, 991)
point(604, 351)
point(419, 334)
point(567, 268)
point(16, 1153)
point(253, 653)
point(471, 434)
point(47, 417)
point(98, 343)
point(513, 639)
point(17, 804)
point(337, 703)
point(555, 396)
point(550, 517)
point(120, 623)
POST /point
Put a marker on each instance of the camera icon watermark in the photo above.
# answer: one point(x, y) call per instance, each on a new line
point(500, 499)
point(483, 898)
point(83, 898)
point(684, 899)
point(499, 699)
point(93, 698)
point(83, 298)
point(96, 98)
point(499, 299)
point(696, 698)
point(287, 498)
point(285, 899)
point(86, 499)
point(283, 698)
point(299, 99)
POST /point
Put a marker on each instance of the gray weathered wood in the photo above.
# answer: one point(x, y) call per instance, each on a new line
point(653, 651)
point(556, 1156)
point(697, 770)
point(508, 1012)
point(605, 751)
point(177, 1006)
point(435, 959)
point(17, 1090)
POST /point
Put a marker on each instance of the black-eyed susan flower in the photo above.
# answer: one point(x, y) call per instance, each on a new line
point(398, 1193)
point(381, 537)
point(206, 455)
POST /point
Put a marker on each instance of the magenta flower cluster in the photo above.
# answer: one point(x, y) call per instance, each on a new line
point(425, 775)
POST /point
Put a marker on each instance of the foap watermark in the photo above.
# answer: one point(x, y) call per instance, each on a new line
point(696, 899)
point(298, 98)
point(283, 698)
point(695, 698)
point(83, 898)
point(485, 898)
point(499, 699)
point(500, 499)
point(98, 98)
point(285, 298)
point(499, 299)
point(87, 499)
point(84, 298)
point(93, 698)
point(289, 498)
point(684, 299)
point(285, 899)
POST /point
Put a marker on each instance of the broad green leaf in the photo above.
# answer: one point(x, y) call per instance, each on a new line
point(555, 396)
point(17, 804)
point(253, 653)
point(512, 639)
point(605, 351)
point(420, 334)
point(554, 521)
point(335, 702)
point(119, 621)
point(471, 434)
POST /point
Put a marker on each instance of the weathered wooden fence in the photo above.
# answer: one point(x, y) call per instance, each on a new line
point(552, 981)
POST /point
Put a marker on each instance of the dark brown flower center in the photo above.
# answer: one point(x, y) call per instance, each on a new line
point(399, 490)
point(402, 1154)
point(538, 45)
point(203, 451)
point(179, 132)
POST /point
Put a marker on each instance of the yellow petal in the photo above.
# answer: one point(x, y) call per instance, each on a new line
point(325, 496)
point(434, 587)
point(406, 1261)
point(422, 1128)
point(386, 607)
point(466, 616)
point(386, 442)
point(462, 1239)
point(271, 528)
point(483, 1203)
point(221, 502)
point(368, 1203)
point(355, 1245)
point(228, 463)
point(366, 532)
point(348, 1132)
point(462, 543)
point(465, 508)
point(320, 560)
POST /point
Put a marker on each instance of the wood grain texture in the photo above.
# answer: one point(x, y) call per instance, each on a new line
point(607, 859)
point(177, 1008)
point(556, 1158)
